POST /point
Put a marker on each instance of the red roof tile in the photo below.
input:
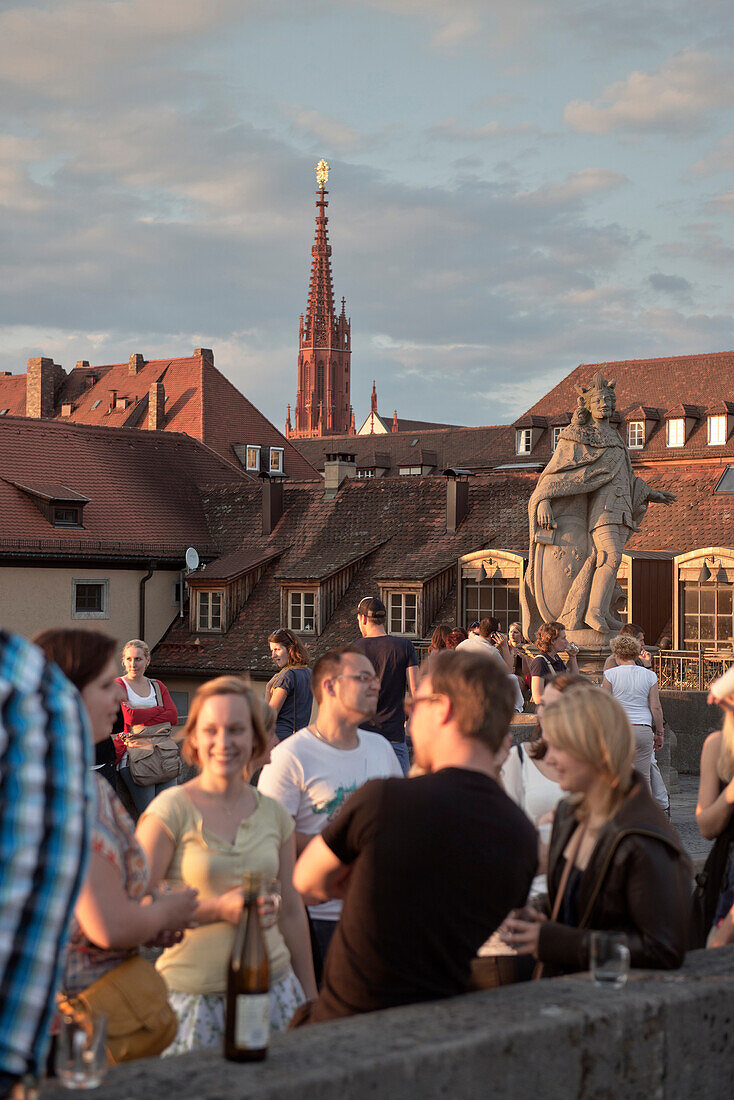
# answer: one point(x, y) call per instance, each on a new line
point(200, 401)
point(144, 489)
point(474, 448)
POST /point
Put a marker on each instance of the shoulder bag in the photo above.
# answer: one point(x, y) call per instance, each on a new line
point(153, 755)
point(133, 997)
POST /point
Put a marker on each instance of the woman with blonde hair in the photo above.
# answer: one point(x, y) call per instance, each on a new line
point(146, 702)
point(521, 658)
point(207, 833)
point(615, 863)
point(715, 820)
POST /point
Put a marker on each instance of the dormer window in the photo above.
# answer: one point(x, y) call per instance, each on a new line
point(209, 611)
point(524, 441)
point(717, 430)
point(276, 460)
point(66, 516)
point(302, 612)
point(676, 432)
point(252, 459)
point(555, 437)
point(636, 434)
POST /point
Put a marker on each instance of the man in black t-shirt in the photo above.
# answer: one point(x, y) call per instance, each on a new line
point(396, 663)
point(428, 868)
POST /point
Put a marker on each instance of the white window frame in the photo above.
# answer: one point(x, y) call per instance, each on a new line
point(555, 434)
point(205, 610)
point(299, 620)
point(252, 467)
point(673, 434)
point(396, 601)
point(104, 584)
point(721, 422)
point(636, 435)
point(410, 471)
point(523, 441)
point(366, 472)
point(279, 453)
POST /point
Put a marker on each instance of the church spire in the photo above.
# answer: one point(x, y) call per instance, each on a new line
point(323, 405)
point(320, 308)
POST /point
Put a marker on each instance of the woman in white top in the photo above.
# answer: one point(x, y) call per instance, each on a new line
point(531, 781)
point(141, 709)
point(636, 688)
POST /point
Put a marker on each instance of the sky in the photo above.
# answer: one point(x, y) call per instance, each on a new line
point(517, 187)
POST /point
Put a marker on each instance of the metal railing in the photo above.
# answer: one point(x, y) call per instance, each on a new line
point(689, 670)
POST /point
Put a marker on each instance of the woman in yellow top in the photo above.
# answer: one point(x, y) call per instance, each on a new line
point(206, 833)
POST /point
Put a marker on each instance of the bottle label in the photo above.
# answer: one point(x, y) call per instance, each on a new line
point(252, 1023)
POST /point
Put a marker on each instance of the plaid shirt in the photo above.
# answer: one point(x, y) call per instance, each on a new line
point(45, 804)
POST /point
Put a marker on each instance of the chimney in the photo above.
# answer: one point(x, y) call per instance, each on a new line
point(272, 502)
point(82, 364)
point(337, 468)
point(39, 391)
point(457, 497)
point(206, 354)
point(113, 399)
point(156, 406)
point(135, 363)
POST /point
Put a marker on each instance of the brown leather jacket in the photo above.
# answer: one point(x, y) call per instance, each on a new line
point(638, 881)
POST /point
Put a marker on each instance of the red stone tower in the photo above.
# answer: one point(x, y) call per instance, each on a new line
point(324, 344)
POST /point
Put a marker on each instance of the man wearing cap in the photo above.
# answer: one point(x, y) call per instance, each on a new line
point(396, 663)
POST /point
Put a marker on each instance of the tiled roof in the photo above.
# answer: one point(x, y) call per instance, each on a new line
point(408, 516)
point(401, 520)
point(232, 565)
point(696, 382)
point(200, 401)
point(12, 394)
point(48, 490)
point(474, 448)
point(143, 488)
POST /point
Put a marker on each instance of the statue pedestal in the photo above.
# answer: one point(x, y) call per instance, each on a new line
point(590, 639)
point(591, 661)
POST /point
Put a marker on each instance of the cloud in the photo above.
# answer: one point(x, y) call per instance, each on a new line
point(674, 100)
point(722, 204)
point(577, 185)
point(703, 244)
point(718, 159)
point(669, 284)
point(335, 134)
point(452, 130)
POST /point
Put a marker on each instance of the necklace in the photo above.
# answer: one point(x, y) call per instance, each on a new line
point(314, 730)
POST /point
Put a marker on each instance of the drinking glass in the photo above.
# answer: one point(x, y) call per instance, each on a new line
point(610, 959)
point(269, 902)
point(81, 1058)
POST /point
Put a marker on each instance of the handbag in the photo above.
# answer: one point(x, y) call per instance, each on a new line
point(710, 882)
point(133, 997)
point(153, 755)
point(538, 971)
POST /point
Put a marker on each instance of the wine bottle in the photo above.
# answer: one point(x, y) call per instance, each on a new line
point(247, 1018)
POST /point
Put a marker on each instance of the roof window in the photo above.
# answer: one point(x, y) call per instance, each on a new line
point(96, 404)
point(725, 483)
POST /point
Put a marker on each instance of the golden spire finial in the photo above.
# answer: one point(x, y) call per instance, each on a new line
point(322, 173)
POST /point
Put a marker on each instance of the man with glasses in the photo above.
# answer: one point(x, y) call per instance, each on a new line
point(313, 772)
point(434, 864)
point(396, 663)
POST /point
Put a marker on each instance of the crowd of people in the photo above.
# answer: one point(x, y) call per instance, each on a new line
point(396, 829)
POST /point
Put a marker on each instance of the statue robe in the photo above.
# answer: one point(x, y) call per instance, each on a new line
point(590, 484)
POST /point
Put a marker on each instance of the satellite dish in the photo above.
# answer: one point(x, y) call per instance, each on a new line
point(192, 559)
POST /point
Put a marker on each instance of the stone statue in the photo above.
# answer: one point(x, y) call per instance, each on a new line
point(585, 507)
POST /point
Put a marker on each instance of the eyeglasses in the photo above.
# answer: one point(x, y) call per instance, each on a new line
point(410, 704)
point(363, 677)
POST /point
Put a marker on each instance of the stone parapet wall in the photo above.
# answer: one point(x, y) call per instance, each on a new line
point(667, 1034)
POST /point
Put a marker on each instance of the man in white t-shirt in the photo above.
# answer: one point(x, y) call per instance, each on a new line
point(313, 772)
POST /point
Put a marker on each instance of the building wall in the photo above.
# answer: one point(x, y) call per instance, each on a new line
point(34, 598)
